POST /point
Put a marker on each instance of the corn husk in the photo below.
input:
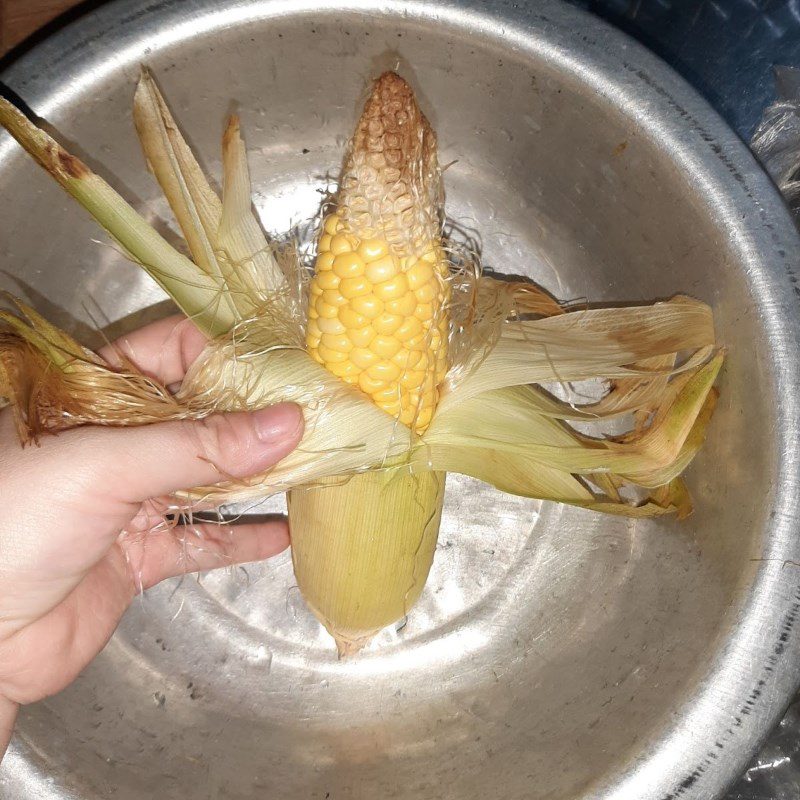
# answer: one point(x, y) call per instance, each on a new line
point(367, 536)
point(200, 295)
point(223, 236)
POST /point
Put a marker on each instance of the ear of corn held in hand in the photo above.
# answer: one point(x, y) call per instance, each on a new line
point(407, 361)
point(378, 318)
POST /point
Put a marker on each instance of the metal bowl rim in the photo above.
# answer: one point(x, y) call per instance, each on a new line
point(671, 111)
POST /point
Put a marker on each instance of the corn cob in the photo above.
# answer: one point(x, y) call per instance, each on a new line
point(378, 301)
point(378, 319)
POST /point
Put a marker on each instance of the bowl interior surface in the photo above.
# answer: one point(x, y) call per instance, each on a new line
point(552, 647)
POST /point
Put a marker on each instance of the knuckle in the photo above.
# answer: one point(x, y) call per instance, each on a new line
point(219, 440)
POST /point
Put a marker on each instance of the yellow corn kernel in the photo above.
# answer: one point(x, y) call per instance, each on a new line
point(427, 292)
point(346, 370)
point(383, 269)
point(312, 330)
point(329, 356)
point(391, 407)
point(408, 415)
point(423, 311)
point(348, 265)
point(325, 310)
point(384, 371)
point(424, 361)
point(350, 319)
point(369, 385)
point(392, 289)
point(426, 399)
point(363, 357)
point(337, 341)
point(418, 275)
point(339, 244)
point(411, 378)
point(385, 346)
point(327, 280)
point(424, 417)
point(387, 324)
point(361, 337)
point(373, 249)
point(368, 305)
point(404, 306)
point(330, 326)
point(410, 328)
point(324, 243)
point(331, 224)
point(407, 359)
point(333, 297)
point(324, 261)
point(355, 287)
point(391, 394)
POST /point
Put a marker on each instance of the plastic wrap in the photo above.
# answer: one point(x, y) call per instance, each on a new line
point(775, 773)
point(776, 140)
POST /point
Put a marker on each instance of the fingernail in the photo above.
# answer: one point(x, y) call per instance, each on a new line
point(278, 422)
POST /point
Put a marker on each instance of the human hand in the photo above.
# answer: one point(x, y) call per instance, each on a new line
point(67, 570)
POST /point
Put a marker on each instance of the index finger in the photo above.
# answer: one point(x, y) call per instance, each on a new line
point(163, 350)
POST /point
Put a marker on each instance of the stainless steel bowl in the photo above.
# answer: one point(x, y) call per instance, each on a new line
point(555, 654)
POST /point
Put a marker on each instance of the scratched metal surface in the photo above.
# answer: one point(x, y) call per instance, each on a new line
point(775, 772)
point(729, 50)
point(555, 654)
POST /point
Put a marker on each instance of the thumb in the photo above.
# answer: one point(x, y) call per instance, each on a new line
point(65, 502)
point(134, 464)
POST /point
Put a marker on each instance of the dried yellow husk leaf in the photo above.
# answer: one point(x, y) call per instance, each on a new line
point(582, 345)
point(202, 297)
point(509, 421)
point(362, 548)
point(224, 237)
